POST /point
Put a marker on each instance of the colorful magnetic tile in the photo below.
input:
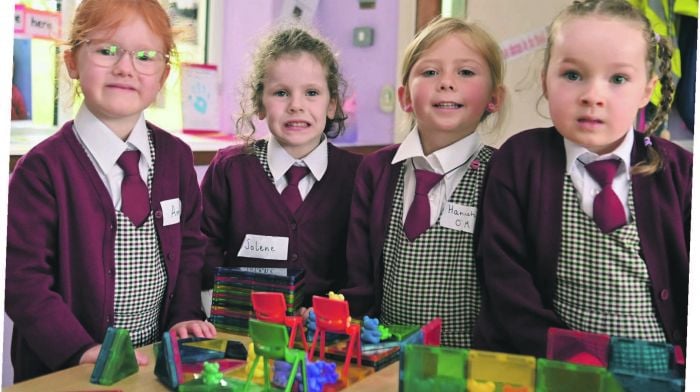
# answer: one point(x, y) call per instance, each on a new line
point(209, 344)
point(430, 368)
point(502, 369)
point(641, 382)
point(116, 359)
point(558, 376)
point(583, 348)
point(400, 332)
point(168, 366)
point(638, 356)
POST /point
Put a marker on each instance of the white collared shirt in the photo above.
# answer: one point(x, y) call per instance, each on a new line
point(279, 161)
point(586, 187)
point(442, 161)
point(105, 147)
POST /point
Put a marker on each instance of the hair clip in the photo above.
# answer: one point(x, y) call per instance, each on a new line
point(647, 141)
point(657, 37)
point(475, 164)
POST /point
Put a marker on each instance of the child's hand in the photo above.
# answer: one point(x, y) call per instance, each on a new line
point(90, 356)
point(198, 328)
point(304, 312)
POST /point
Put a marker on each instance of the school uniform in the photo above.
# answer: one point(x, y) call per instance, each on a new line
point(525, 248)
point(411, 282)
point(248, 224)
point(68, 270)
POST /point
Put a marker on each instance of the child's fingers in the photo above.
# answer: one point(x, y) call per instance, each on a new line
point(141, 358)
point(90, 355)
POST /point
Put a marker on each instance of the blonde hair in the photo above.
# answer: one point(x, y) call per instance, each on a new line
point(291, 40)
point(479, 38)
point(658, 48)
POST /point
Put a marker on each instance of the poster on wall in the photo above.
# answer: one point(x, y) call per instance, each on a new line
point(200, 98)
point(21, 80)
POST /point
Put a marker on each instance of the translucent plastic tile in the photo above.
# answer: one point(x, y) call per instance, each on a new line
point(583, 348)
point(430, 368)
point(514, 371)
point(116, 359)
point(641, 382)
point(557, 376)
point(638, 356)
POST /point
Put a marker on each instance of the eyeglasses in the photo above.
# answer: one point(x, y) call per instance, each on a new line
point(106, 54)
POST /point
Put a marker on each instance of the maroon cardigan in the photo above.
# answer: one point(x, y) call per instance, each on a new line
point(369, 223)
point(60, 249)
point(239, 199)
point(521, 239)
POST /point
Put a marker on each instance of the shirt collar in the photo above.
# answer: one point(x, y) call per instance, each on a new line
point(576, 152)
point(104, 145)
point(440, 161)
point(279, 160)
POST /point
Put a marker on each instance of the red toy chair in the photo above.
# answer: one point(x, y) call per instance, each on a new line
point(334, 316)
point(271, 308)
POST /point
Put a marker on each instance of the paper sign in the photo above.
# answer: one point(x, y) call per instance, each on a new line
point(200, 98)
point(171, 211)
point(41, 24)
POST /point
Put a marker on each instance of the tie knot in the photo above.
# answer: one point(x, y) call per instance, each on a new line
point(603, 171)
point(426, 180)
point(295, 174)
point(129, 162)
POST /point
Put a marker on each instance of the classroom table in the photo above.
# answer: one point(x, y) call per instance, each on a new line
point(77, 378)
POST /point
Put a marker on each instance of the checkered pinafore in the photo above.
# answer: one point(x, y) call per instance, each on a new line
point(434, 276)
point(603, 284)
point(140, 278)
point(260, 150)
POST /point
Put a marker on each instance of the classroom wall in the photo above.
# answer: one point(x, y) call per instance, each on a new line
point(510, 21)
point(367, 69)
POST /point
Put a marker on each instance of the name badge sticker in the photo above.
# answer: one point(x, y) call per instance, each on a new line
point(171, 211)
point(458, 217)
point(264, 247)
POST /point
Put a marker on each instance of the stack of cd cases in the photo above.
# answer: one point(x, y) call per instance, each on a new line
point(231, 304)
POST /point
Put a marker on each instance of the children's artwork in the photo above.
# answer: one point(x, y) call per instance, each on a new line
point(21, 80)
point(200, 98)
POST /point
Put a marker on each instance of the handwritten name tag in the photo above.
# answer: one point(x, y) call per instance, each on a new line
point(458, 217)
point(264, 247)
point(171, 211)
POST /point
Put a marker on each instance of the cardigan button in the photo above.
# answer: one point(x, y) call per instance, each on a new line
point(293, 226)
point(664, 295)
point(159, 214)
point(294, 257)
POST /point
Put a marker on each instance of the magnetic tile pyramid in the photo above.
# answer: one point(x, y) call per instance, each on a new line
point(116, 360)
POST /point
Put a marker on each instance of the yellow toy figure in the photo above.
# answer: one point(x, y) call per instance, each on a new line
point(259, 370)
point(336, 297)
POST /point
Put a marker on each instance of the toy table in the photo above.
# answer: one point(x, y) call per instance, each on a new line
point(78, 378)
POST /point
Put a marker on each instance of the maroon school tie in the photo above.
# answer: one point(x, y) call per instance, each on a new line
point(134, 191)
point(418, 217)
point(291, 194)
point(608, 212)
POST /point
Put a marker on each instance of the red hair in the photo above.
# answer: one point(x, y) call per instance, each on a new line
point(92, 15)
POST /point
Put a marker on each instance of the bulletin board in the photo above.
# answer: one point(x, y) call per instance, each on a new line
point(520, 29)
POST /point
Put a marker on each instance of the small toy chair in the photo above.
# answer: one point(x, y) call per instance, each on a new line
point(270, 342)
point(272, 308)
point(334, 316)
